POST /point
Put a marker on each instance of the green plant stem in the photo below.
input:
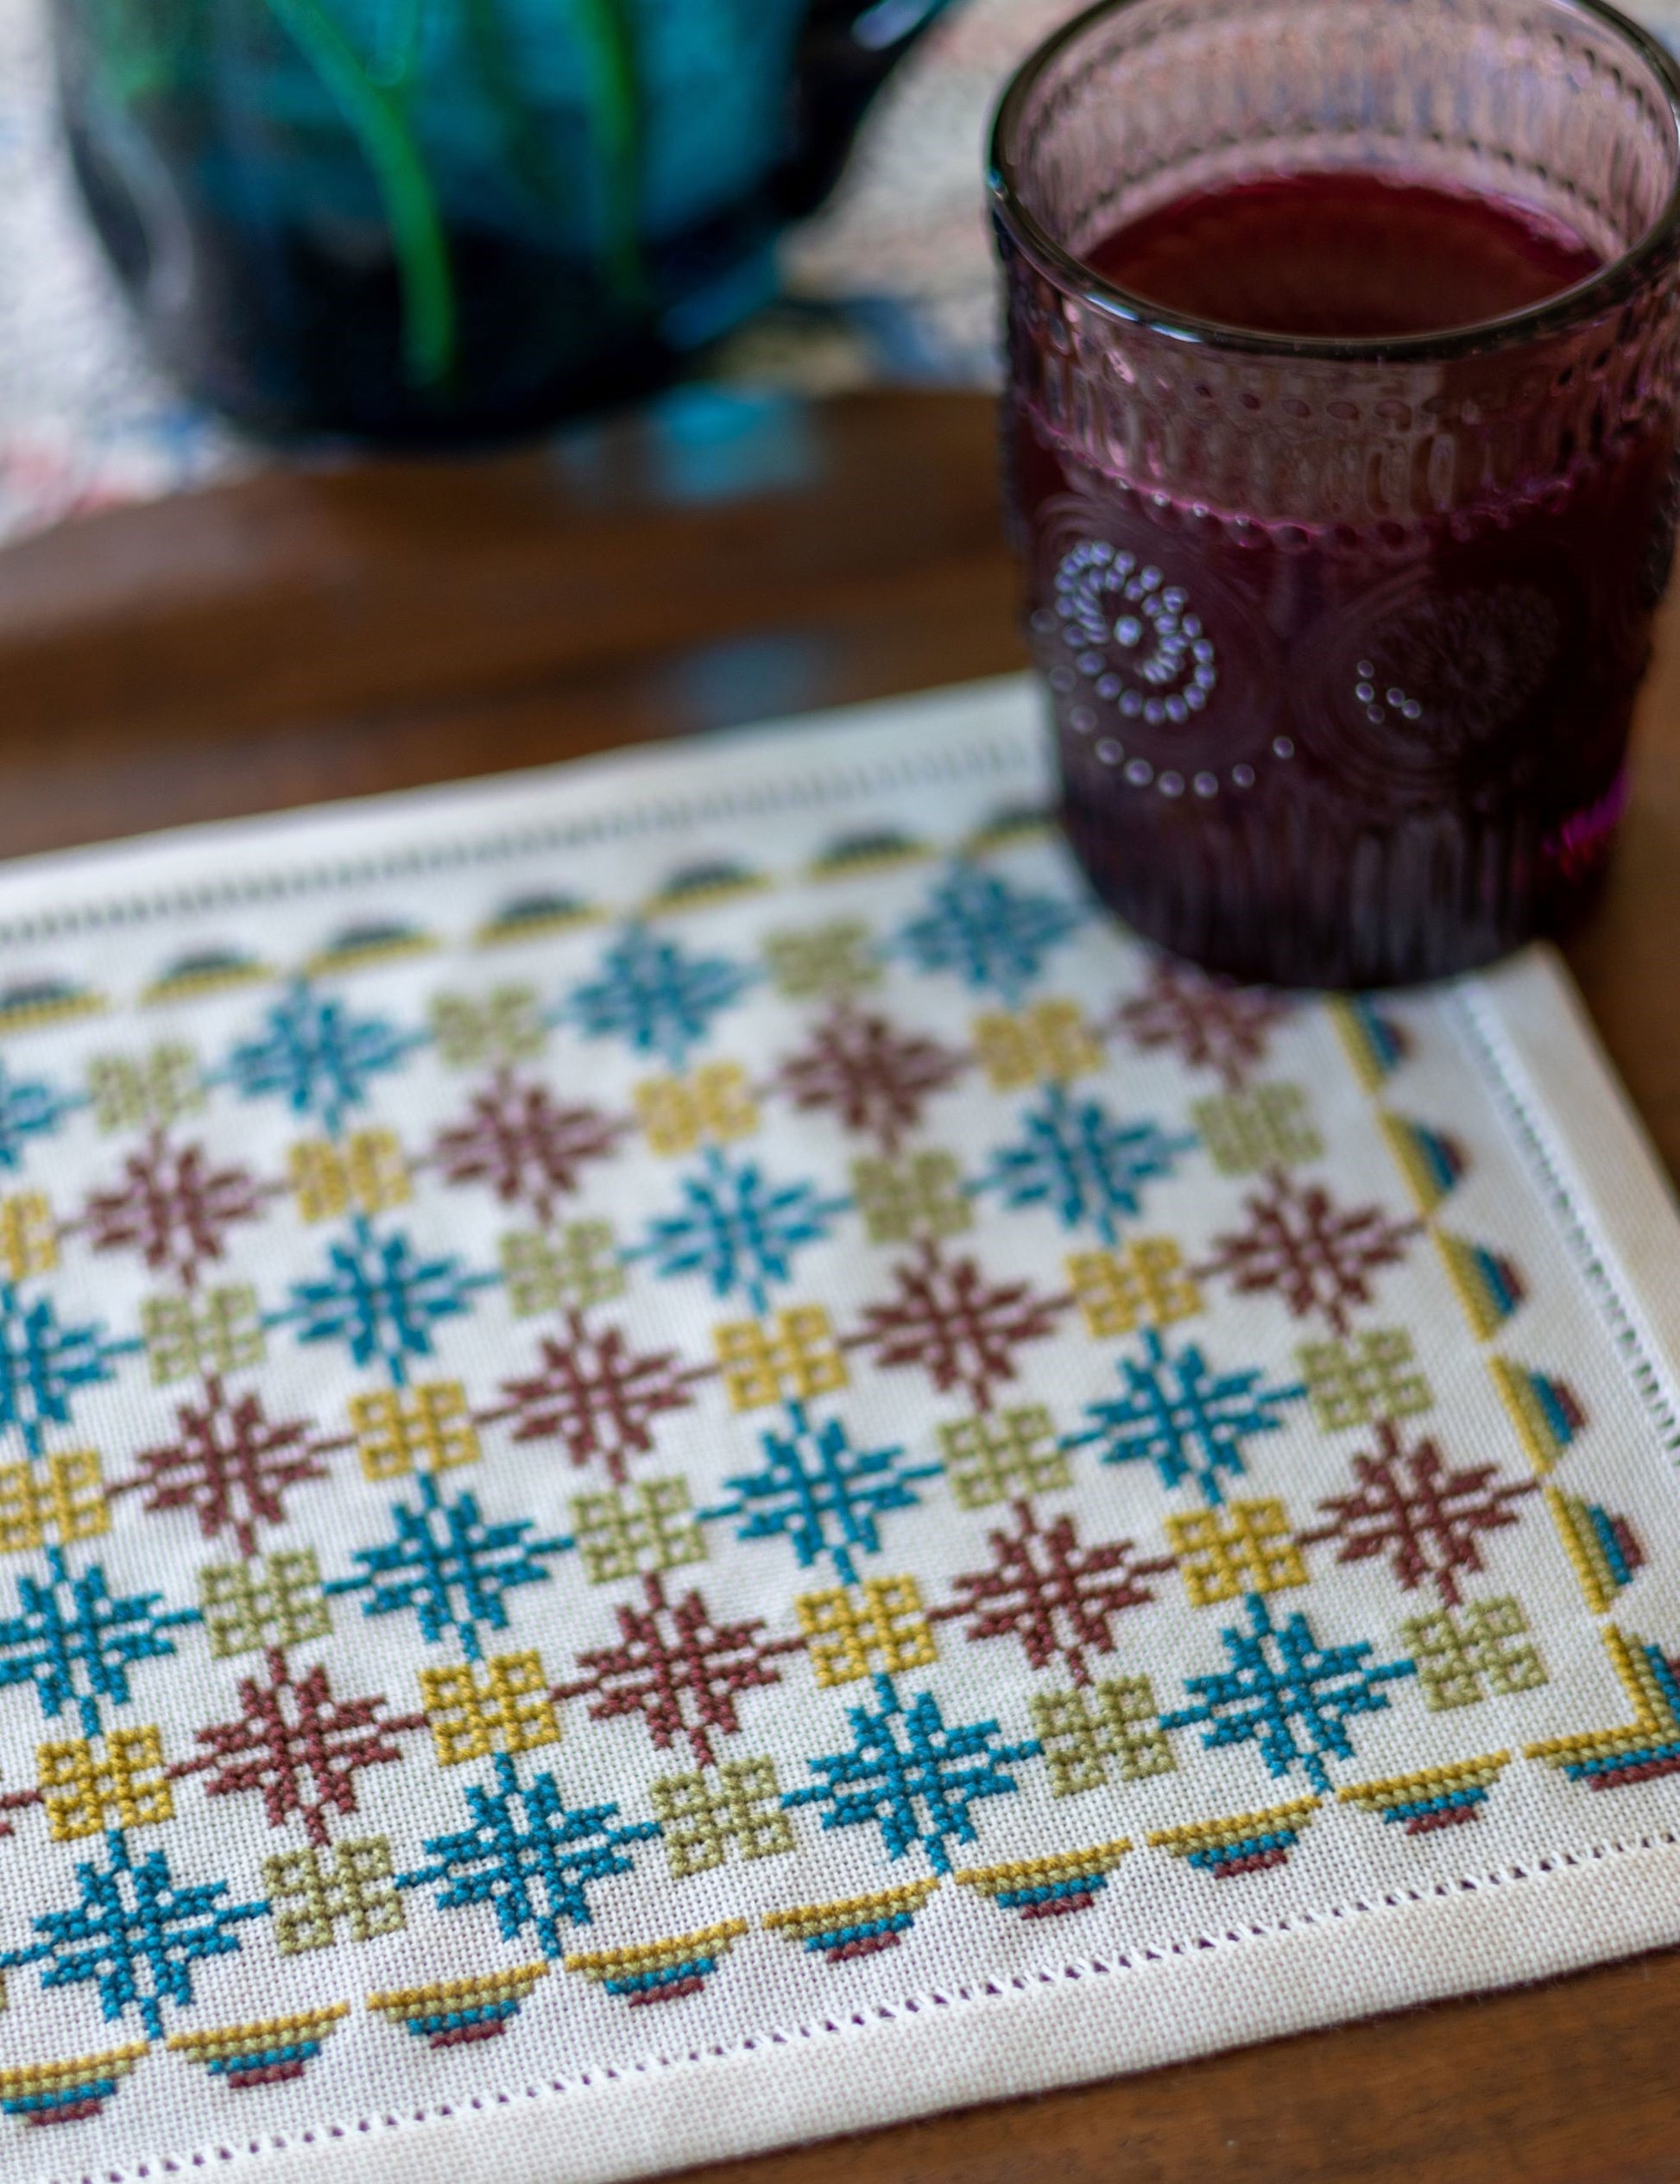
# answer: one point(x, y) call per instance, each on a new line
point(616, 107)
point(396, 62)
point(430, 326)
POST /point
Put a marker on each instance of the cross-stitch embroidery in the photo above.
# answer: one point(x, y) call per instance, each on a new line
point(664, 1443)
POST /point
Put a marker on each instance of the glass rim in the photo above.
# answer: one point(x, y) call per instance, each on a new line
point(1610, 285)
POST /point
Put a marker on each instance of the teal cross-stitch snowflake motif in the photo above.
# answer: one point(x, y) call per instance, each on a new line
point(820, 1494)
point(1286, 1694)
point(28, 1108)
point(1190, 1421)
point(1089, 1170)
point(912, 1775)
point(658, 997)
point(43, 1362)
point(738, 1229)
point(994, 936)
point(75, 1644)
point(449, 1568)
point(529, 1856)
point(316, 1057)
point(379, 1298)
point(137, 1935)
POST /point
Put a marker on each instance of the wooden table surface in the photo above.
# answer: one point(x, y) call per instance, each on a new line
point(304, 636)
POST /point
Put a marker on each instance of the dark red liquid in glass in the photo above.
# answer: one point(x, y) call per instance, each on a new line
point(1346, 257)
point(1383, 740)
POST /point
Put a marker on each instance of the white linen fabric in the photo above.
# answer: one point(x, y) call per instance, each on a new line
point(686, 1460)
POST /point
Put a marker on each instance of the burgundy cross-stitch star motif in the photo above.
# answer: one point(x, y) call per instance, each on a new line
point(531, 1151)
point(963, 1329)
point(679, 1669)
point(14, 1801)
point(297, 1747)
point(1317, 1256)
point(1059, 1598)
point(231, 1465)
point(874, 1077)
point(173, 1206)
point(1424, 1519)
point(596, 1395)
point(1209, 1025)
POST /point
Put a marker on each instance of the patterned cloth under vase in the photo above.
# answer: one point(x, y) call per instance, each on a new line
point(688, 1383)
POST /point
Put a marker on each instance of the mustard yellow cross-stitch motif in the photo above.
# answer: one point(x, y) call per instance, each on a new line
point(90, 1784)
point(1001, 1453)
point(882, 1625)
point(579, 1266)
point(1083, 1732)
point(426, 1428)
point(314, 1893)
point(680, 1113)
point(1223, 1554)
point(700, 1815)
point(277, 1601)
point(792, 1356)
point(1643, 1747)
point(28, 1235)
point(368, 1172)
point(628, 1531)
point(501, 1705)
point(23, 2085)
point(1049, 1043)
point(1145, 1284)
point(220, 1331)
point(61, 1498)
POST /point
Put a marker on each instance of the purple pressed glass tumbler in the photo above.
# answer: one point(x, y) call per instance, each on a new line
point(1341, 441)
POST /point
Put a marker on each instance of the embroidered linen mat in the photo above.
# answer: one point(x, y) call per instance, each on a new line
point(686, 1461)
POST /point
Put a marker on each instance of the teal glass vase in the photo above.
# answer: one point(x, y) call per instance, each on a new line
point(444, 219)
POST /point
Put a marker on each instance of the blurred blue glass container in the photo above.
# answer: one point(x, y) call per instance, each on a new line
point(443, 219)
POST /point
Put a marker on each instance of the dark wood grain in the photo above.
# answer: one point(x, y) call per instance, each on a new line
point(308, 636)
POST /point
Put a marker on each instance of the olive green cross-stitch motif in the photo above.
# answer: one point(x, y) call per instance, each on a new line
point(1483, 1649)
point(219, 1331)
point(503, 1025)
point(626, 1531)
point(920, 1195)
point(277, 1601)
point(579, 1266)
point(1114, 1724)
point(1269, 1127)
point(159, 1087)
point(1370, 1376)
point(701, 1815)
point(314, 1893)
point(1001, 1453)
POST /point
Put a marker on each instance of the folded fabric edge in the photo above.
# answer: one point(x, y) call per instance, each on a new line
point(1610, 1193)
point(1022, 2035)
point(322, 844)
